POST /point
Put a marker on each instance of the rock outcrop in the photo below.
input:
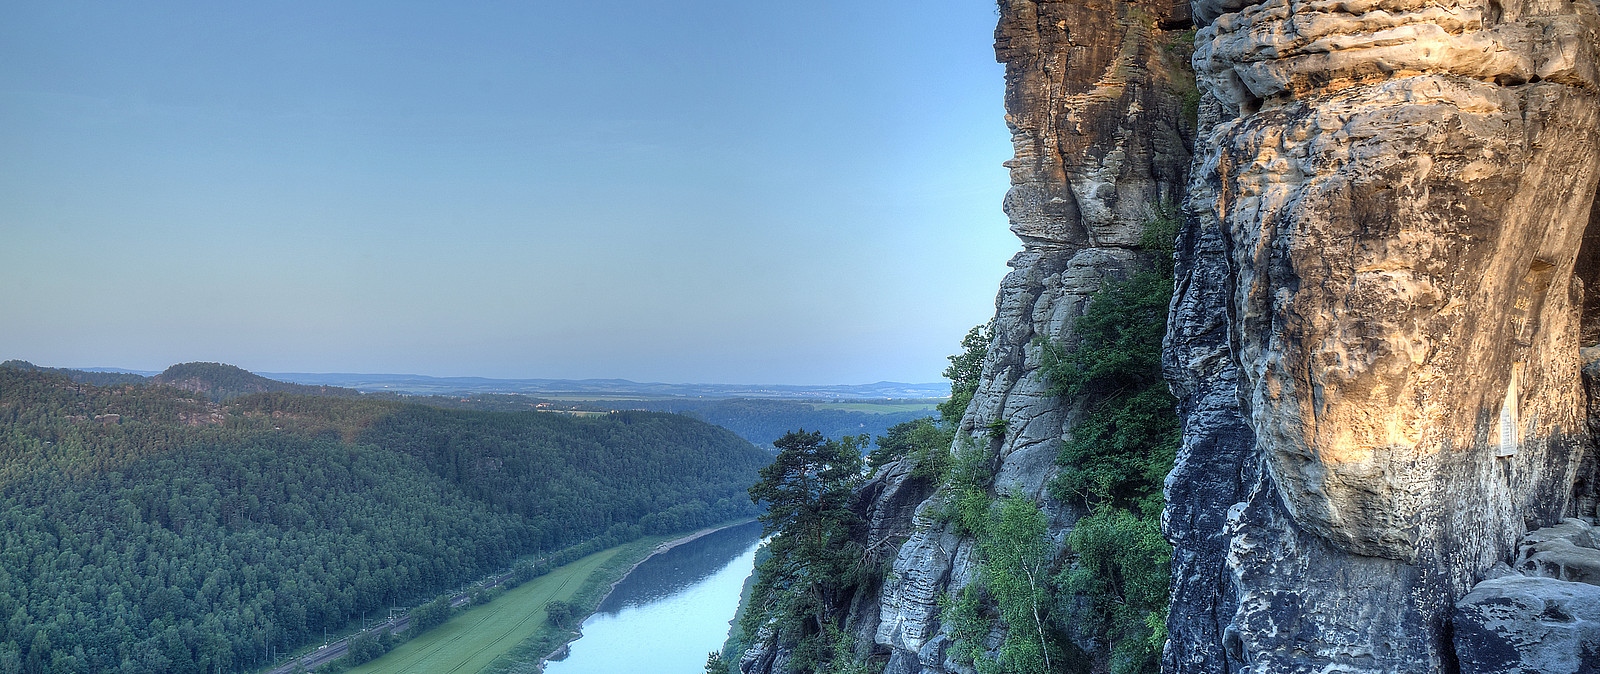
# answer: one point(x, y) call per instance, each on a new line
point(1542, 618)
point(1528, 625)
point(1377, 330)
point(220, 381)
point(1386, 270)
point(1096, 98)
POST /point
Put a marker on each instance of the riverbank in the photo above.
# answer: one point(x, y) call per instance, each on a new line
point(668, 613)
point(511, 632)
point(663, 548)
point(473, 639)
point(588, 609)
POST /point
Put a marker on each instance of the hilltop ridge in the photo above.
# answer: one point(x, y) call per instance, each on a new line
point(220, 381)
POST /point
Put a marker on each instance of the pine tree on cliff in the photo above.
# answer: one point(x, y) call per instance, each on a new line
point(807, 491)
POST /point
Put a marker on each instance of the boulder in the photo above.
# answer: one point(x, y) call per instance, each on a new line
point(1528, 625)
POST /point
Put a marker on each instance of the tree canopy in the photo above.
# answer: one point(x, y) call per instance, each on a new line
point(807, 491)
point(147, 529)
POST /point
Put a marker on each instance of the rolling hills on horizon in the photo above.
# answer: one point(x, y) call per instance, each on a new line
point(420, 384)
point(760, 415)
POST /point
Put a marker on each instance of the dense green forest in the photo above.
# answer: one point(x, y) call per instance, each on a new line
point(146, 529)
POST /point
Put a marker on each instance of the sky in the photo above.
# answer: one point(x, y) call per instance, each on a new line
point(704, 191)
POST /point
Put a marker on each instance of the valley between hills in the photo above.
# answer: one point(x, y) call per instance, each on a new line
point(210, 519)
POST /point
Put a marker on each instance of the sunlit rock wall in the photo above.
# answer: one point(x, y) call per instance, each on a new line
point(1387, 207)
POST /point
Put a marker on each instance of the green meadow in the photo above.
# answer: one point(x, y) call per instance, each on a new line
point(475, 637)
point(511, 632)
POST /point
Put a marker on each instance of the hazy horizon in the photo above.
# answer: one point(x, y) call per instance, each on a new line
point(153, 371)
point(705, 191)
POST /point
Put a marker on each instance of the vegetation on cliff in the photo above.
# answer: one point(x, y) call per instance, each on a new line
point(1112, 588)
point(1099, 605)
point(147, 529)
point(1117, 458)
point(814, 564)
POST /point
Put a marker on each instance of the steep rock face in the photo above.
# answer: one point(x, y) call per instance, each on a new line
point(1095, 100)
point(1375, 338)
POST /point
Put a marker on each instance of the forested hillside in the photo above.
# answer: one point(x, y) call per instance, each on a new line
point(143, 529)
point(759, 420)
point(219, 381)
point(81, 376)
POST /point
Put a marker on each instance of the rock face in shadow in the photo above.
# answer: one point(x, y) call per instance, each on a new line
point(1544, 616)
point(1528, 625)
point(1376, 333)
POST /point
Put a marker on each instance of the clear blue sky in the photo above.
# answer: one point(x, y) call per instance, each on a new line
point(698, 191)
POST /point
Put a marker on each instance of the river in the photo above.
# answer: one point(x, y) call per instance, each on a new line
point(670, 611)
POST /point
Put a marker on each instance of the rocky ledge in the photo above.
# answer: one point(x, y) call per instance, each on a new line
point(1542, 618)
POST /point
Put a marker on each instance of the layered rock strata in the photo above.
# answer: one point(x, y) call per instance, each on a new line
point(1095, 100)
point(1376, 332)
point(1095, 97)
point(1374, 337)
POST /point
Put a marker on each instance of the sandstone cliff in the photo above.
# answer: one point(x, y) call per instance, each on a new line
point(1100, 100)
point(1376, 335)
point(1095, 99)
point(1384, 276)
point(1377, 330)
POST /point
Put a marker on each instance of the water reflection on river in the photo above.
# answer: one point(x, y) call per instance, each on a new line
point(671, 611)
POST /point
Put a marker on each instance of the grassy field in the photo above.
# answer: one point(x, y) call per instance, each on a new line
point(476, 637)
point(882, 406)
point(509, 634)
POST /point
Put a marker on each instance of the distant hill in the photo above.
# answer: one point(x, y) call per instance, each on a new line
point(219, 381)
point(98, 378)
point(239, 381)
point(417, 384)
point(759, 420)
